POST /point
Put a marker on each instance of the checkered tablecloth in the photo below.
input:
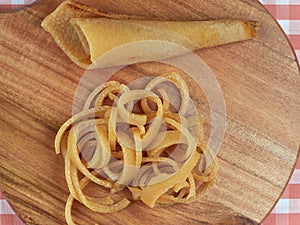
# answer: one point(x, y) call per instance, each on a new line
point(9, 5)
point(287, 211)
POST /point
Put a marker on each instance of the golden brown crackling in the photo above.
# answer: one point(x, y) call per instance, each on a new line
point(85, 33)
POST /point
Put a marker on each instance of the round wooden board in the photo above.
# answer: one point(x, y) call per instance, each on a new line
point(261, 86)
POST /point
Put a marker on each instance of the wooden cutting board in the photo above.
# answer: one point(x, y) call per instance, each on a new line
point(261, 86)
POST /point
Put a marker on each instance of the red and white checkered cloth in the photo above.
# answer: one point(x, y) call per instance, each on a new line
point(287, 211)
point(9, 5)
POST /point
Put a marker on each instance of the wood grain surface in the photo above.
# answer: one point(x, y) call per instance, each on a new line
point(261, 86)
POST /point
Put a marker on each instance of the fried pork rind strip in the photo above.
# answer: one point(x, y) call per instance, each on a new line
point(85, 33)
point(70, 39)
point(158, 154)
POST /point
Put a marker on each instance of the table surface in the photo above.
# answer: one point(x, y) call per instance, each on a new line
point(287, 210)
